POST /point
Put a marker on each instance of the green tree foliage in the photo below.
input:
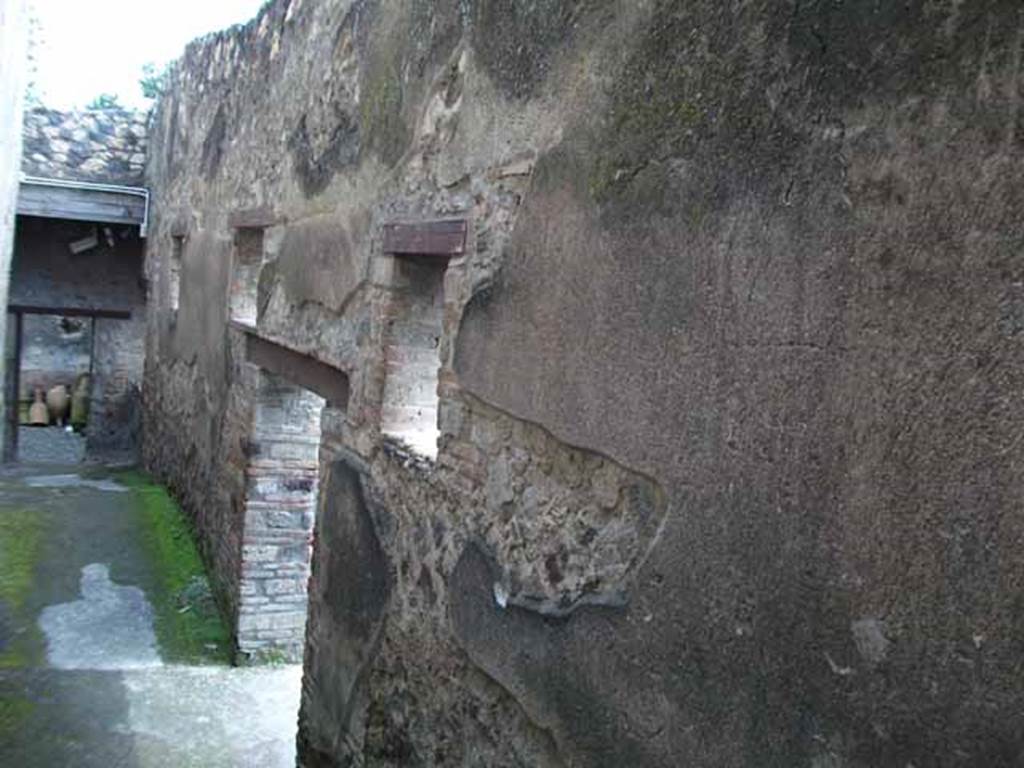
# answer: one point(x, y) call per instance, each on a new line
point(104, 101)
point(153, 81)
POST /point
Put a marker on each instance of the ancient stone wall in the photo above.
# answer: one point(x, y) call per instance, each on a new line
point(115, 411)
point(728, 436)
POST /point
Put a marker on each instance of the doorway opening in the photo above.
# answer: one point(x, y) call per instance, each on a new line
point(52, 390)
point(293, 394)
point(75, 323)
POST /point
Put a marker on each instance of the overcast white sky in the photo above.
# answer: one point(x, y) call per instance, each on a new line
point(88, 47)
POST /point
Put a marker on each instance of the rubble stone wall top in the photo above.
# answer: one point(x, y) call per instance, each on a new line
point(97, 145)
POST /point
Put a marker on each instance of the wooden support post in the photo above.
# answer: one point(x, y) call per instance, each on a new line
point(92, 348)
point(11, 448)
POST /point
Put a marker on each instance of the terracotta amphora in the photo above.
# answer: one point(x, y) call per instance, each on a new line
point(58, 401)
point(38, 413)
point(80, 402)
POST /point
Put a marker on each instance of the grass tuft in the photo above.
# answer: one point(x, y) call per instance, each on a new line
point(21, 538)
point(21, 532)
point(188, 626)
point(13, 714)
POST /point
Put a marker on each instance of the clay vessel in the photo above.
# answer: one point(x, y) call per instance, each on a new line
point(80, 402)
point(58, 401)
point(38, 413)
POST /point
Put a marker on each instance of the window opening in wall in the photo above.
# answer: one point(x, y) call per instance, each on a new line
point(174, 273)
point(412, 354)
point(247, 262)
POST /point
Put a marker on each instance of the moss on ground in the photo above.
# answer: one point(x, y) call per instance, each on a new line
point(13, 714)
point(188, 626)
point(21, 532)
point(21, 536)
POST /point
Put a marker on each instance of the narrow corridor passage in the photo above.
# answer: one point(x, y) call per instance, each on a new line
point(111, 651)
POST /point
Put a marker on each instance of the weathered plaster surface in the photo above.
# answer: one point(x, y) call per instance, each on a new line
point(729, 439)
point(13, 81)
point(55, 350)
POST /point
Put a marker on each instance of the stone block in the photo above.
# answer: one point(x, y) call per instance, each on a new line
point(275, 587)
point(259, 553)
point(252, 622)
point(285, 518)
point(294, 451)
point(287, 620)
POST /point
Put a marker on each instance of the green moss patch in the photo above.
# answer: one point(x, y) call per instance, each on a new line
point(188, 626)
point(14, 712)
point(22, 532)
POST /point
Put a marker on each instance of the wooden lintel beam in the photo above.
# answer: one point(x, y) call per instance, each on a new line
point(107, 314)
point(254, 218)
point(445, 238)
point(307, 372)
point(80, 205)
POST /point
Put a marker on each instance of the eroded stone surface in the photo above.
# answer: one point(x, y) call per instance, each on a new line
point(567, 525)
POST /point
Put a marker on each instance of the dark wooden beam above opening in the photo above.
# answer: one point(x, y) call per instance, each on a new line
point(254, 218)
point(103, 314)
point(429, 238)
point(307, 372)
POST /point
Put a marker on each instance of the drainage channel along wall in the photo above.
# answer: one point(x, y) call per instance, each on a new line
point(726, 371)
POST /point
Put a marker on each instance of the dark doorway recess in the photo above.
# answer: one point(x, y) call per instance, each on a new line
point(48, 347)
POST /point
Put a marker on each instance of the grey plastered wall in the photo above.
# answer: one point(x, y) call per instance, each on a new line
point(55, 350)
point(13, 81)
point(728, 472)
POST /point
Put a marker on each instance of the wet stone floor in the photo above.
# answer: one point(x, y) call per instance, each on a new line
point(111, 650)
